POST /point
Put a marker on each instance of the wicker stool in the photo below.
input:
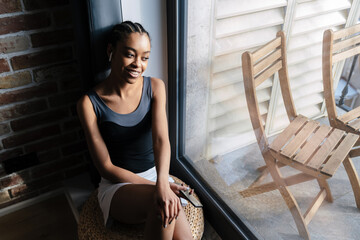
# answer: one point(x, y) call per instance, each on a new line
point(91, 223)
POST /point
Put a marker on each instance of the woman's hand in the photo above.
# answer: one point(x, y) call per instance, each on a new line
point(168, 202)
point(177, 187)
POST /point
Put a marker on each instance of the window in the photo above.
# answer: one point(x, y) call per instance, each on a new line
point(207, 100)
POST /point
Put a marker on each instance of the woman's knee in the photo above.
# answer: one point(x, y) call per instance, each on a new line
point(132, 202)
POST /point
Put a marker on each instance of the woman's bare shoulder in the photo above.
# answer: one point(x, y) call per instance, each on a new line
point(83, 103)
point(157, 84)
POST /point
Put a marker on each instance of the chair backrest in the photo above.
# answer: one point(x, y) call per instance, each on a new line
point(337, 46)
point(259, 66)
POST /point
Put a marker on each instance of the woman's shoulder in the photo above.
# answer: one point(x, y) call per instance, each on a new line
point(85, 100)
point(157, 84)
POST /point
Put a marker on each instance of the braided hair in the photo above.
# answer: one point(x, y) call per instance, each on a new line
point(121, 31)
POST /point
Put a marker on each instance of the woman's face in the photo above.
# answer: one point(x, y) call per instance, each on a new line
point(130, 57)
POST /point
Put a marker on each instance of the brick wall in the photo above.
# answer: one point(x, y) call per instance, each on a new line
point(39, 87)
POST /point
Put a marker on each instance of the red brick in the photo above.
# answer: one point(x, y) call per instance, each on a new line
point(22, 109)
point(14, 179)
point(41, 58)
point(9, 6)
point(14, 44)
point(64, 99)
point(2, 171)
point(18, 199)
point(57, 72)
point(39, 119)
point(17, 140)
point(54, 37)
point(41, 4)
point(73, 110)
point(15, 80)
point(49, 155)
point(44, 169)
point(51, 187)
point(70, 83)
point(28, 93)
point(24, 22)
point(63, 17)
point(34, 186)
point(55, 166)
point(74, 148)
point(11, 154)
point(47, 180)
point(16, 191)
point(4, 66)
point(52, 142)
point(4, 128)
point(69, 173)
point(4, 196)
point(71, 124)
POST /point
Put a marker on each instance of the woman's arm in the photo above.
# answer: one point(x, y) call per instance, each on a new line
point(98, 149)
point(160, 134)
point(168, 201)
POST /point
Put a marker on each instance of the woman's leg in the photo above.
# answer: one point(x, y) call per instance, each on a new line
point(135, 203)
point(182, 227)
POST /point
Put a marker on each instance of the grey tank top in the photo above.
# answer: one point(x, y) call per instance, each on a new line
point(128, 137)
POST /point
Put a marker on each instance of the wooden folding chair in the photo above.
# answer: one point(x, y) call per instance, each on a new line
point(315, 151)
point(338, 46)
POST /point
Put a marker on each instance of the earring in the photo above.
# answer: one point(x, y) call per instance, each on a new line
point(110, 57)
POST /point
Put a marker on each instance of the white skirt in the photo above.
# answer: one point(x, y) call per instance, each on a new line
point(107, 190)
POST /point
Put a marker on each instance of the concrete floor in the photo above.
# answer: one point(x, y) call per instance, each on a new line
point(267, 214)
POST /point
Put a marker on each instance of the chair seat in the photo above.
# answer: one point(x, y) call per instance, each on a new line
point(91, 223)
point(311, 147)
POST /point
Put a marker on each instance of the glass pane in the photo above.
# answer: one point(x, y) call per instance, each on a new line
point(219, 138)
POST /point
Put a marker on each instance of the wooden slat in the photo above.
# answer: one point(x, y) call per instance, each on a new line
point(312, 144)
point(346, 43)
point(298, 178)
point(347, 117)
point(252, 191)
point(325, 149)
point(316, 203)
point(346, 31)
point(268, 73)
point(266, 49)
point(299, 139)
point(299, 166)
point(339, 155)
point(355, 124)
point(348, 53)
point(285, 135)
point(267, 187)
point(267, 61)
point(262, 168)
point(284, 80)
point(327, 73)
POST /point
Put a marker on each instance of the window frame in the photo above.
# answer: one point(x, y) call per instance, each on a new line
point(222, 218)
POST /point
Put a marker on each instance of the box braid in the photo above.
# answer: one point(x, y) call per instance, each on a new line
point(121, 31)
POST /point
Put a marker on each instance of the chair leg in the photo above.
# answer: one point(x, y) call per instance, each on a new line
point(324, 185)
point(354, 179)
point(288, 197)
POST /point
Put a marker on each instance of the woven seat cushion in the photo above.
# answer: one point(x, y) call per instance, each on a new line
point(91, 223)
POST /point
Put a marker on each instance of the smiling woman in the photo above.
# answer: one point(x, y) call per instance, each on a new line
point(124, 120)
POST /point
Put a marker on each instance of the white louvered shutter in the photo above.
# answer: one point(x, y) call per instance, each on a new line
point(238, 26)
point(304, 51)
